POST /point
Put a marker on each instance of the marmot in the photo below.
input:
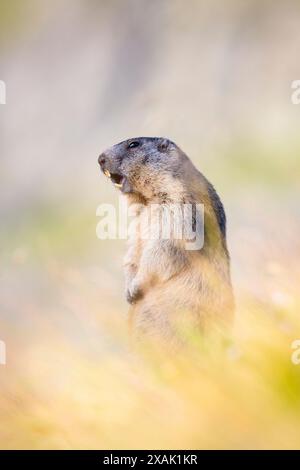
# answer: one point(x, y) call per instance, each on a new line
point(165, 281)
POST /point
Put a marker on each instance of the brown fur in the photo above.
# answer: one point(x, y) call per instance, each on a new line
point(165, 283)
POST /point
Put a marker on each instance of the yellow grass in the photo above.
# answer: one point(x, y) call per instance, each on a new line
point(238, 393)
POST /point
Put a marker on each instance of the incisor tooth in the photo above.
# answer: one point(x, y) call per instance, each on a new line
point(107, 173)
point(118, 185)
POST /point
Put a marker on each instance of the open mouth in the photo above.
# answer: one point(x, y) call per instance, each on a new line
point(116, 178)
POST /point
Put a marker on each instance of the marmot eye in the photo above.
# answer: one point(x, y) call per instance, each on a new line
point(133, 144)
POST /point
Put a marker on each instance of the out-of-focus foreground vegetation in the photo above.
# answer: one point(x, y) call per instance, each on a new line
point(217, 80)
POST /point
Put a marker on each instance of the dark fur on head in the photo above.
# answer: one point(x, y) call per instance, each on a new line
point(141, 166)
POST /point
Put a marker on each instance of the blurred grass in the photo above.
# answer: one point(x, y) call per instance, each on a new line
point(13, 15)
point(51, 230)
point(275, 166)
point(239, 394)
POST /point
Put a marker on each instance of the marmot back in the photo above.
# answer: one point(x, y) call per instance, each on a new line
point(167, 281)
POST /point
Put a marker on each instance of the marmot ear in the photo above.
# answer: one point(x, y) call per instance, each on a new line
point(163, 145)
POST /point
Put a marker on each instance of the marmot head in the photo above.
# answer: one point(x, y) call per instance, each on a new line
point(145, 167)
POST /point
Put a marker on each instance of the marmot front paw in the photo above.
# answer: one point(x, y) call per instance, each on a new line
point(134, 294)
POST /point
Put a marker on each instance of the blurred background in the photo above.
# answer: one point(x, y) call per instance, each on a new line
point(80, 76)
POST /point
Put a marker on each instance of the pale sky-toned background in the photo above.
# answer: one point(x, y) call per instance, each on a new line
point(215, 78)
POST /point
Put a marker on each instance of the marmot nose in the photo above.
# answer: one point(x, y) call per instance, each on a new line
point(101, 159)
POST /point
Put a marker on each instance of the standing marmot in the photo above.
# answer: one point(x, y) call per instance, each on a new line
point(166, 282)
